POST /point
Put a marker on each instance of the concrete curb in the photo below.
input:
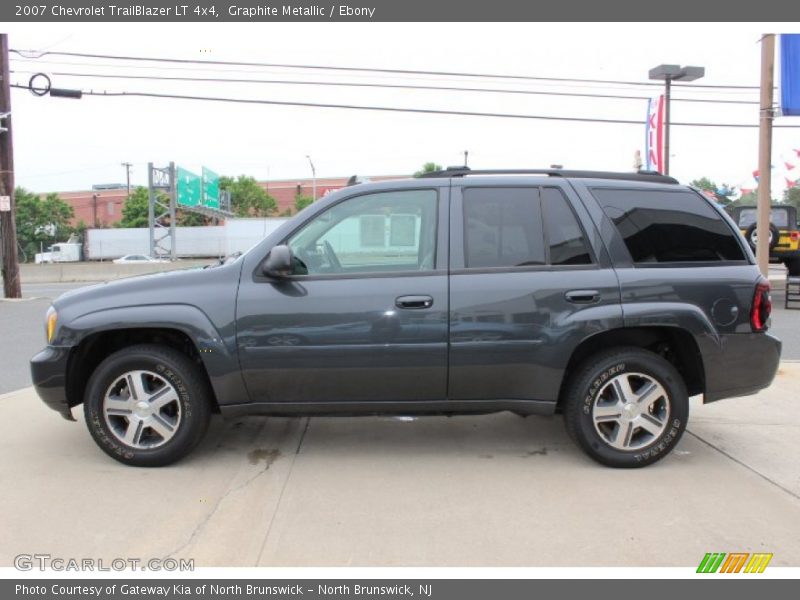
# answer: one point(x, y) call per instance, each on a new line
point(98, 271)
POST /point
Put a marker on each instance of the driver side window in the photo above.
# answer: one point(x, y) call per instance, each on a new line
point(373, 233)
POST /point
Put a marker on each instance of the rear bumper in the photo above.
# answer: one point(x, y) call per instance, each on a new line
point(49, 375)
point(743, 364)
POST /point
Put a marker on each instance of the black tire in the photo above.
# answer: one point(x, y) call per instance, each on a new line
point(793, 266)
point(592, 384)
point(161, 367)
point(774, 236)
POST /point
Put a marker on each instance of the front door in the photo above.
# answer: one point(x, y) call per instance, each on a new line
point(364, 316)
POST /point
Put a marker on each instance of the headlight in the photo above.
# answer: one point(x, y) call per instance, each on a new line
point(52, 318)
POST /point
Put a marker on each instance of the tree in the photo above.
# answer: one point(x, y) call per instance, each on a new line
point(721, 193)
point(134, 211)
point(41, 222)
point(300, 202)
point(792, 196)
point(428, 167)
point(748, 199)
point(248, 199)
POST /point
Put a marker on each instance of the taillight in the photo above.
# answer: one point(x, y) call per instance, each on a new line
point(794, 236)
point(762, 306)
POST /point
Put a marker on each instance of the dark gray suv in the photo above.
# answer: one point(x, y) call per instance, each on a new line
point(608, 297)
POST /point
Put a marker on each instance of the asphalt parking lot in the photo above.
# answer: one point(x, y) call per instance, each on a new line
point(494, 490)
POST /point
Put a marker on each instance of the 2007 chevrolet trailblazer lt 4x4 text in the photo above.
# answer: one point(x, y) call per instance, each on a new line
point(608, 297)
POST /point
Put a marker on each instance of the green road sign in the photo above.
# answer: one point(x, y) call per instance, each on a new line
point(190, 188)
point(210, 188)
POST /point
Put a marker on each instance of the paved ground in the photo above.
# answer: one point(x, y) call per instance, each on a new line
point(492, 490)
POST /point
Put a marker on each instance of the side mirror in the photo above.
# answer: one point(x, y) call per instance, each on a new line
point(278, 262)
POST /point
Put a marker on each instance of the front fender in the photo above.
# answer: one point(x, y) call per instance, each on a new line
point(217, 351)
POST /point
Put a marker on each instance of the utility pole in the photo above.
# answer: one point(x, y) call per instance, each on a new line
point(8, 228)
point(766, 115)
point(94, 209)
point(128, 166)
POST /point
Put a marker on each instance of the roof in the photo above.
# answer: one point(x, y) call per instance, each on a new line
point(642, 176)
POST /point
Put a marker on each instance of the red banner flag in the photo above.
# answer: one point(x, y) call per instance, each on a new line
point(654, 134)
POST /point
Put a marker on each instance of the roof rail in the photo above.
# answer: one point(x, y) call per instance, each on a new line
point(651, 176)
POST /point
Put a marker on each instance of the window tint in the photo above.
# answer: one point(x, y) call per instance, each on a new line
point(777, 216)
point(386, 231)
point(503, 227)
point(564, 236)
point(661, 226)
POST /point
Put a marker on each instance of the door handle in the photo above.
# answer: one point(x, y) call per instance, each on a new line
point(413, 302)
point(582, 296)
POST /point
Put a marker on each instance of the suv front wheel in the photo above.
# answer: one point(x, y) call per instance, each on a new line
point(147, 405)
point(626, 407)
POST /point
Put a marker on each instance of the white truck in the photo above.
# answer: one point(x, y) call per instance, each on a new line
point(61, 252)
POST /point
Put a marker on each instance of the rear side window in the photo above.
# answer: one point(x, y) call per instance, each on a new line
point(564, 236)
point(669, 227)
point(502, 227)
point(777, 216)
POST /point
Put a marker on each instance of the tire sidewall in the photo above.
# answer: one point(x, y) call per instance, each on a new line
point(108, 372)
point(594, 380)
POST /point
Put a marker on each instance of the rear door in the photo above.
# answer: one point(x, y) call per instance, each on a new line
point(528, 282)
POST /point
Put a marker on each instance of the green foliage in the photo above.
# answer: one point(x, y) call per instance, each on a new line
point(300, 202)
point(187, 218)
point(428, 167)
point(41, 222)
point(704, 183)
point(134, 211)
point(748, 199)
point(792, 196)
point(248, 199)
point(722, 193)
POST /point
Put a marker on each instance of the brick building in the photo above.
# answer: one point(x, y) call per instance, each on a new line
point(103, 207)
point(96, 208)
point(286, 190)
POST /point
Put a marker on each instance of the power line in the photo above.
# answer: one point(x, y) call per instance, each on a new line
point(32, 54)
point(257, 71)
point(380, 86)
point(397, 109)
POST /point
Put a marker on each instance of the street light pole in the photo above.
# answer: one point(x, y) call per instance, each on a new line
point(668, 74)
point(314, 178)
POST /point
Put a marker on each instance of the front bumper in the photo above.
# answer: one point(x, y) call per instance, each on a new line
point(741, 364)
point(49, 375)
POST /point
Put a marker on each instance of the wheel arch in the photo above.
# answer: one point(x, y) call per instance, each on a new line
point(675, 344)
point(182, 327)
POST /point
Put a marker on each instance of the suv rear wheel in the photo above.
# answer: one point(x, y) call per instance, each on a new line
point(147, 405)
point(626, 407)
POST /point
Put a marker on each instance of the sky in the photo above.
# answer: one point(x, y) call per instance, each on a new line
point(64, 144)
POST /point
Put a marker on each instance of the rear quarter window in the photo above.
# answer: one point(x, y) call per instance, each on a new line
point(661, 226)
